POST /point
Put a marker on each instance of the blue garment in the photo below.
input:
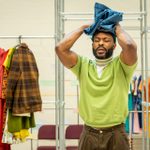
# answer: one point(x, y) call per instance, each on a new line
point(105, 20)
point(139, 108)
point(130, 106)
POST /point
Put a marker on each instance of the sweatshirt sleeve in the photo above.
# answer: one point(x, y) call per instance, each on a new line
point(77, 68)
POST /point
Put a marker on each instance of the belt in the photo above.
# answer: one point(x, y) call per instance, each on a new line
point(102, 130)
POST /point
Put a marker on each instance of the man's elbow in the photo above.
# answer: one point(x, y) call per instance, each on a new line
point(57, 48)
point(131, 46)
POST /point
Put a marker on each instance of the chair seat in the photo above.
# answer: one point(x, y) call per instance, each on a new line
point(46, 148)
point(72, 148)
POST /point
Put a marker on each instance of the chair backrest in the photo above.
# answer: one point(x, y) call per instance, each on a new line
point(73, 131)
point(47, 132)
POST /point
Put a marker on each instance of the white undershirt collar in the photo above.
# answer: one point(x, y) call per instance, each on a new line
point(101, 64)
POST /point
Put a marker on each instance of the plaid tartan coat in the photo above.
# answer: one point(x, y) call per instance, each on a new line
point(22, 92)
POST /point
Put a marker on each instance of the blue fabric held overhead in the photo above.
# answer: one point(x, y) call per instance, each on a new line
point(105, 20)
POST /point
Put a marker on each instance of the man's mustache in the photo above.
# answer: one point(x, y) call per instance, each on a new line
point(101, 47)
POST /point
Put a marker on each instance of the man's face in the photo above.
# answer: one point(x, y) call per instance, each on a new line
point(103, 45)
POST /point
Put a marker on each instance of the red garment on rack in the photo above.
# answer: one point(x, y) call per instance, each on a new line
point(3, 146)
point(4, 109)
point(3, 55)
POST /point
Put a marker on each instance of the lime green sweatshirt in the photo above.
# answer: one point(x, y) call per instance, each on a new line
point(103, 100)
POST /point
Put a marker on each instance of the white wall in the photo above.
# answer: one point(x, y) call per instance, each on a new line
point(36, 17)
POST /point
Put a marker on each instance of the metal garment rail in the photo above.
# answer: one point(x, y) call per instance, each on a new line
point(91, 13)
point(146, 72)
point(66, 14)
point(69, 18)
point(59, 78)
point(20, 37)
point(27, 37)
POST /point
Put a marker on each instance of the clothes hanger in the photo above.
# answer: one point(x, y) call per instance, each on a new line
point(19, 39)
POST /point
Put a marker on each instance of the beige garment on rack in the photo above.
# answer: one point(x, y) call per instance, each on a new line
point(145, 90)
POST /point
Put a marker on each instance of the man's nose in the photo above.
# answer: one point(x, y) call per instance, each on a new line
point(101, 42)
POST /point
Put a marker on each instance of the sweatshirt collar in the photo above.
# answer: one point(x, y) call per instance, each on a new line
point(103, 62)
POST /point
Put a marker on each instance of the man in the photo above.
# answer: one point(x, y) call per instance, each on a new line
point(104, 85)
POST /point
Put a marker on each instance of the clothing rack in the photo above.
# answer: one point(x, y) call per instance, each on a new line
point(20, 37)
point(140, 16)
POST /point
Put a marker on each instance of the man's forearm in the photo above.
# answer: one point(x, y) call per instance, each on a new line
point(129, 47)
point(70, 39)
point(66, 56)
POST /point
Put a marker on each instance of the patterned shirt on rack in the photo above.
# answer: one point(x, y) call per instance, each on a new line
point(23, 94)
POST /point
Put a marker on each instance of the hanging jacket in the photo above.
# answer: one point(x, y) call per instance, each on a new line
point(23, 94)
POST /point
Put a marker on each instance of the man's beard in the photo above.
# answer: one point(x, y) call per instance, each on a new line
point(108, 54)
